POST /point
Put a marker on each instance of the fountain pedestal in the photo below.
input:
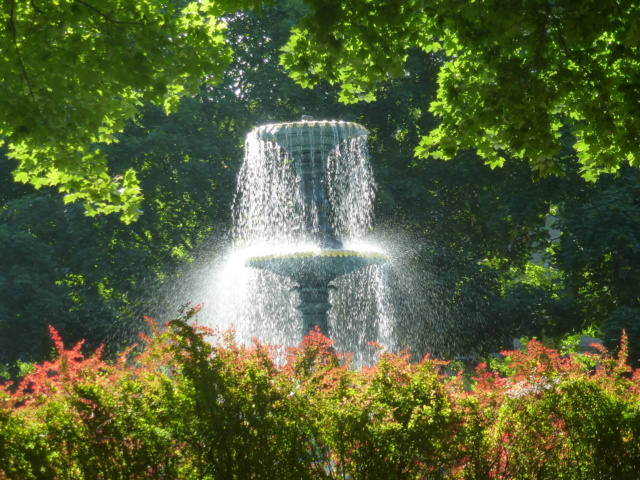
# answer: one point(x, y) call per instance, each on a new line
point(314, 307)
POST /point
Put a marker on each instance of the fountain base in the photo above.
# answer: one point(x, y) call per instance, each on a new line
point(314, 307)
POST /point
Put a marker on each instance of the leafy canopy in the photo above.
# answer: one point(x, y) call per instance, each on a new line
point(512, 74)
point(74, 71)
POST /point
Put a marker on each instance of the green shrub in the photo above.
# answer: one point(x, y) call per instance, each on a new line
point(194, 404)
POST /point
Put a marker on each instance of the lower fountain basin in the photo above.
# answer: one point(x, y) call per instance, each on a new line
point(313, 272)
point(316, 267)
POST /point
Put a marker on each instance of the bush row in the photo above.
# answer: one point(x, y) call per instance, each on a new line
point(189, 407)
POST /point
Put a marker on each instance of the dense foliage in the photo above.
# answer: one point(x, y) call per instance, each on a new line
point(526, 85)
point(183, 407)
point(472, 229)
point(75, 71)
point(512, 74)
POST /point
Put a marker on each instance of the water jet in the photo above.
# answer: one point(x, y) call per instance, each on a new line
point(302, 252)
point(309, 184)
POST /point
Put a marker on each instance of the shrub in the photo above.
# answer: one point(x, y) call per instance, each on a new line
point(193, 403)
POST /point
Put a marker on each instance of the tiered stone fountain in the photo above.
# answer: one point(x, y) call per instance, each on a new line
point(321, 192)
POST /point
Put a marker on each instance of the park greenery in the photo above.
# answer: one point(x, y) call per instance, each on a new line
point(510, 77)
point(190, 407)
point(123, 126)
point(474, 227)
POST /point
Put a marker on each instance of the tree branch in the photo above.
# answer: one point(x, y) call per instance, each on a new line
point(105, 16)
point(568, 53)
point(36, 8)
point(14, 35)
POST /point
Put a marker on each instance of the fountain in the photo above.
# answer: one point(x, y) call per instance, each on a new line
point(304, 187)
point(303, 253)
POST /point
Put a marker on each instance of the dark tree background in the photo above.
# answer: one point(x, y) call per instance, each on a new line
point(474, 228)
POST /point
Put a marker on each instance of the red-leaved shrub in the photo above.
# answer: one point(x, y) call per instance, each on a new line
point(193, 403)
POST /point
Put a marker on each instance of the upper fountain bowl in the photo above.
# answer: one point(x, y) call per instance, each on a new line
point(310, 134)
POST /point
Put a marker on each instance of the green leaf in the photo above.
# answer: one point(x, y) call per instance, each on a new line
point(21, 176)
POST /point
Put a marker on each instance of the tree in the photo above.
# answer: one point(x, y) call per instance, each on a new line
point(61, 269)
point(95, 277)
point(73, 72)
point(31, 296)
point(600, 253)
point(471, 228)
point(600, 245)
point(512, 74)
